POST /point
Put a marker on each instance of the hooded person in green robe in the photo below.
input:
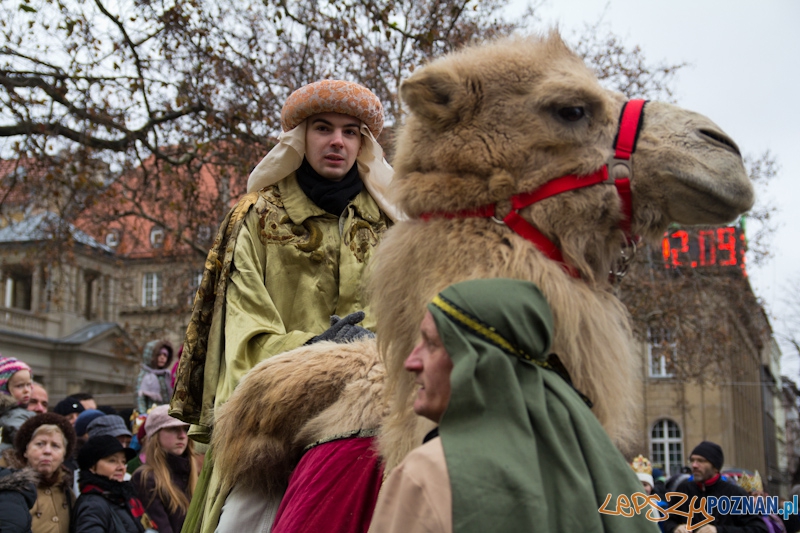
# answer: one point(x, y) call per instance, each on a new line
point(517, 448)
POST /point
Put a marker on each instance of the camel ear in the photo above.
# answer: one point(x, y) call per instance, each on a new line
point(437, 96)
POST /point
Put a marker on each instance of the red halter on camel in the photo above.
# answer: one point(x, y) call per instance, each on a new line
point(620, 171)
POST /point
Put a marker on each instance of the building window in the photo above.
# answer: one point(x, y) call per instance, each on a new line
point(194, 284)
point(661, 352)
point(666, 446)
point(88, 300)
point(151, 289)
point(157, 237)
point(19, 289)
point(204, 234)
point(112, 239)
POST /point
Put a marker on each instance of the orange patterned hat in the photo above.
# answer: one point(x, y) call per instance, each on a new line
point(333, 96)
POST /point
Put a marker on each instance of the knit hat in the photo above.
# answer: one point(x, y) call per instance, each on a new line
point(159, 418)
point(333, 96)
point(26, 431)
point(712, 452)
point(112, 425)
point(8, 367)
point(84, 419)
point(97, 448)
point(658, 474)
point(67, 406)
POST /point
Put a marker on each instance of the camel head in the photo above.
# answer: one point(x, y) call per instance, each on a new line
point(495, 120)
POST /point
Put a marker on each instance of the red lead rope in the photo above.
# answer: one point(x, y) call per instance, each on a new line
point(624, 146)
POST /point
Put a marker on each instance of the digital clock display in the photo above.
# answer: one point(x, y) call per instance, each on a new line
point(708, 247)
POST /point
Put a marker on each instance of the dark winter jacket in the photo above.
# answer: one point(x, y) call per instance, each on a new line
point(157, 509)
point(17, 496)
point(154, 385)
point(106, 505)
point(12, 416)
point(727, 523)
point(54, 497)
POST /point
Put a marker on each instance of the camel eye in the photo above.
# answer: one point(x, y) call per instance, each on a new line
point(572, 114)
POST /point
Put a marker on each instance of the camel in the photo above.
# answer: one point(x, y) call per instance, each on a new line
point(487, 123)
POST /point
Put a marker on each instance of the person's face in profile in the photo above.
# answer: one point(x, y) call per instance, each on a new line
point(431, 365)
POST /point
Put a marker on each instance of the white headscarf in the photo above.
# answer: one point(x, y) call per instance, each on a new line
point(287, 156)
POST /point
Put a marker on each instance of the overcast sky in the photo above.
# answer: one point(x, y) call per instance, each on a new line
point(744, 74)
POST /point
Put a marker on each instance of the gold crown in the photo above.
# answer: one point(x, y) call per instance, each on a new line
point(641, 465)
point(752, 483)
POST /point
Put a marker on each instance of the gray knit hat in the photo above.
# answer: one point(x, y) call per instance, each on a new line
point(112, 425)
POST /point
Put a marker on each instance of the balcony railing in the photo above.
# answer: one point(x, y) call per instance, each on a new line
point(22, 321)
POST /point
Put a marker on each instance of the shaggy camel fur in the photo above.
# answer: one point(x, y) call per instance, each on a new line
point(485, 123)
point(276, 411)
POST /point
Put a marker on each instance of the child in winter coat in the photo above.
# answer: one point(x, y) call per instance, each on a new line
point(16, 382)
point(166, 482)
point(154, 384)
point(107, 503)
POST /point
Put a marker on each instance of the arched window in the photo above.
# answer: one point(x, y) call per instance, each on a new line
point(666, 446)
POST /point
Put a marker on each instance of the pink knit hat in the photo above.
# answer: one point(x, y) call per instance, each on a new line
point(8, 367)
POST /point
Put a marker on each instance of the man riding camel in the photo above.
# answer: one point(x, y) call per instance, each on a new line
point(287, 262)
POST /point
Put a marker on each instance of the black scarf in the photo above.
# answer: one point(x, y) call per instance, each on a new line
point(113, 490)
point(332, 196)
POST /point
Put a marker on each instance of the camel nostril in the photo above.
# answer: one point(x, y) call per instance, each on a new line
point(721, 138)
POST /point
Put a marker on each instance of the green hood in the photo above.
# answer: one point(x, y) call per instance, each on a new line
point(523, 451)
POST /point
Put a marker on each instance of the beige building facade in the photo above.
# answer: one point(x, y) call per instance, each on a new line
point(733, 398)
point(80, 316)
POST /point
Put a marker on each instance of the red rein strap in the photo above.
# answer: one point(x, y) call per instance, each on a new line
point(624, 146)
point(630, 123)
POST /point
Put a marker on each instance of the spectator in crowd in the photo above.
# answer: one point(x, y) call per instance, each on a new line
point(107, 502)
point(165, 483)
point(138, 443)
point(174, 371)
point(678, 478)
point(39, 399)
point(69, 408)
point(706, 460)
point(112, 425)
point(154, 384)
point(755, 487)
point(644, 471)
point(17, 496)
point(86, 399)
point(660, 479)
point(517, 449)
point(792, 522)
point(16, 379)
point(42, 443)
point(15, 393)
point(83, 432)
point(83, 421)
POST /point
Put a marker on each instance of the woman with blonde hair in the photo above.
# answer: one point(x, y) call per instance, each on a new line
point(165, 483)
point(43, 443)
